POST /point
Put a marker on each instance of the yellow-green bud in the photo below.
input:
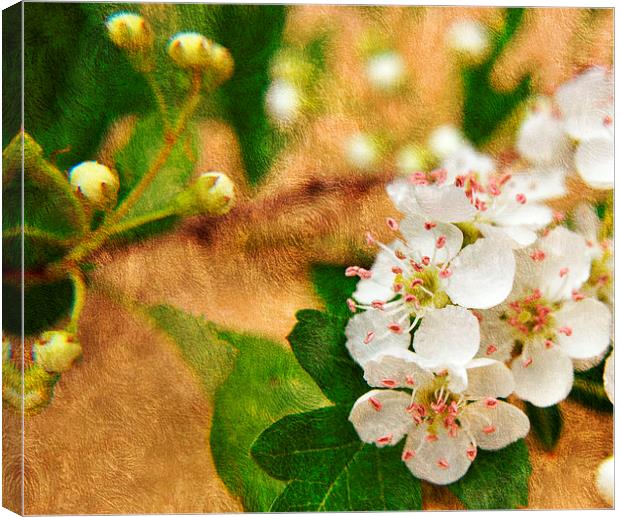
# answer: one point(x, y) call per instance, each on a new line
point(96, 183)
point(194, 51)
point(213, 193)
point(56, 351)
point(129, 31)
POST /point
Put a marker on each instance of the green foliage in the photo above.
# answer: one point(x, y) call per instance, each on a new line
point(485, 108)
point(266, 384)
point(210, 357)
point(546, 424)
point(588, 388)
point(330, 469)
point(496, 480)
point(76, 81)
point(333, 288)
point(11, 71)
point(318, 341)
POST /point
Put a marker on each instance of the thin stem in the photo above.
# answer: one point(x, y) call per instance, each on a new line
point(130, 224)
point(160, 99)
point(79, 297)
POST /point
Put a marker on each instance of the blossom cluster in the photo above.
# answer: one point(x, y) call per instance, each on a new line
point(484, 292)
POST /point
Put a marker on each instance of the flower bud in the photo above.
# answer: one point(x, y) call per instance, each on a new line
point(96, 182)
point(194, 51)
point(129, 31)
point(56, 351)
point(213, 193)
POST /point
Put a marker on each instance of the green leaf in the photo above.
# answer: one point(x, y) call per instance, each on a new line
point(253, 34)
point(546, 424)
point(77, 83)
point(52, 214)
point(330, 469)
point(588, 388)
point(318, 341)
point(496, 479)
point(211, 358)
point(485, 108)
point(266, 384)
point(333, 288)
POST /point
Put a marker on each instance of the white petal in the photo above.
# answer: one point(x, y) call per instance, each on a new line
point(594, 160)
point(447, 203)
point(541, 137)
point(538, 183)
point(402, 194)
point(441, 461)
point(357, 331)
point(424, 241)
point(564, 249)
point(482, 274)
point(396, 368)
point(590, 323)
point(448, 335)
point(496, 337)
point(467, 160)
point(489, 378)
point(547, 380)
point(587, 222)
point(515, 237)
point(381, 414)
point(530, 214)
point(608, 377)
point(495, 425)
point(379, 286)
point(605, 480)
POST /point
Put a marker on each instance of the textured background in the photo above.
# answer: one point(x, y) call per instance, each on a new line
point(128, 428)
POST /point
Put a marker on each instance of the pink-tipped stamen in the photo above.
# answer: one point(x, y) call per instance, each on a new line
point(429, 225)
point(538, 255)
point(375, 403)
point(577, 296)
point(392, 224)
point(369, 337)
point(443, 463)
point(389, 383)
point(491, 349)
point(489, 429)
point(407, 455)
point(384, 440)
point(396, 328)
point(352, 306)
point(567, 331)
point(441, 242)
point(521, 199)
point(445, 273)
point(563, 272)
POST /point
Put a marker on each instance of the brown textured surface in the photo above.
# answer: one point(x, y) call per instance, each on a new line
point(127, 431)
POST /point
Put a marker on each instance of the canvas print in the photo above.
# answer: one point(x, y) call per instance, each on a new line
point(304, 258)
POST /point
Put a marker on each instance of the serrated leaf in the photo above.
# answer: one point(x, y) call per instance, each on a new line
point(253, 34)
point(546, 424)
point(330, 469)
point(496, 479)
point(266, 384)
point(484, 107)
point(333, 288)
point(318, 342)
point(211, 357)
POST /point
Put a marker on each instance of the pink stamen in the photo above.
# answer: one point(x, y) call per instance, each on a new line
point(558, 216)
point(441, 242)
point(369, 337)
point(375, 403)
point(494, 190)
point(416, 282)
point(567, 331)
point(577, 296)
point(426, 260)
point(477, 315)
point(505, 179)
point(527, 362)
point(364, 273)
point(397, 270)
point(445, 273)
point(377, 304)
point(548, 343)
point(392, 224)
point(384, 440)
point(563, 272)
point(410, 380)
point(521, 199)
point(431, 438)
point(429, 225)
point(491, 349)
point(388, 383)
point(538, 255)
point(397, 288)
point(489, 429)
point(351, 305)
point(490, 403)
point(443, 464)
point(418, 178)
point(351, 271)
point(472, 452)
point(607, 121)
point(396, 328)
point(439, 175)
point(370, 240)
point(407, 455)
point(400, 255)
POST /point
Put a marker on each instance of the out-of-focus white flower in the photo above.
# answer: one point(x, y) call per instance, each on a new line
point(469, 38)
point(446, 140)
point(410, 158)
point(452, 408)
point(554, 322)
point(96, 182)
point(608, 377)
point(361, 151)
point(429, 270)
point(605, 480)
point(386, 70)
point(283, 102)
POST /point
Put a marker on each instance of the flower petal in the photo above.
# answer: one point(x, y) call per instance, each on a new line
point(590, 324)
point(605, 480)
point(380, 417)
point(594, 161)
point(608, 377)
point(541, 137)
point(466, 160)
point(424, 242)
point(448, 336)
point(533, 215)
point(482, 274)
point(546, 380)
point(538, 183)
point(362, 346)
point(489, 378)
point(402, 194)
point(443, 460)
point(379, 286)
point(495, 425)
point(496, 337)
point(515, 237)
point(396, 368)
point(447, 203)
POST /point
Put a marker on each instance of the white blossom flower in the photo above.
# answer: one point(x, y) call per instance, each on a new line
point(283, 102)
point(452, 408)
point(549, 318)
point(605, 480)
point(470, 38)
point(385, 70)
point(429, 270)
point(608, 377)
